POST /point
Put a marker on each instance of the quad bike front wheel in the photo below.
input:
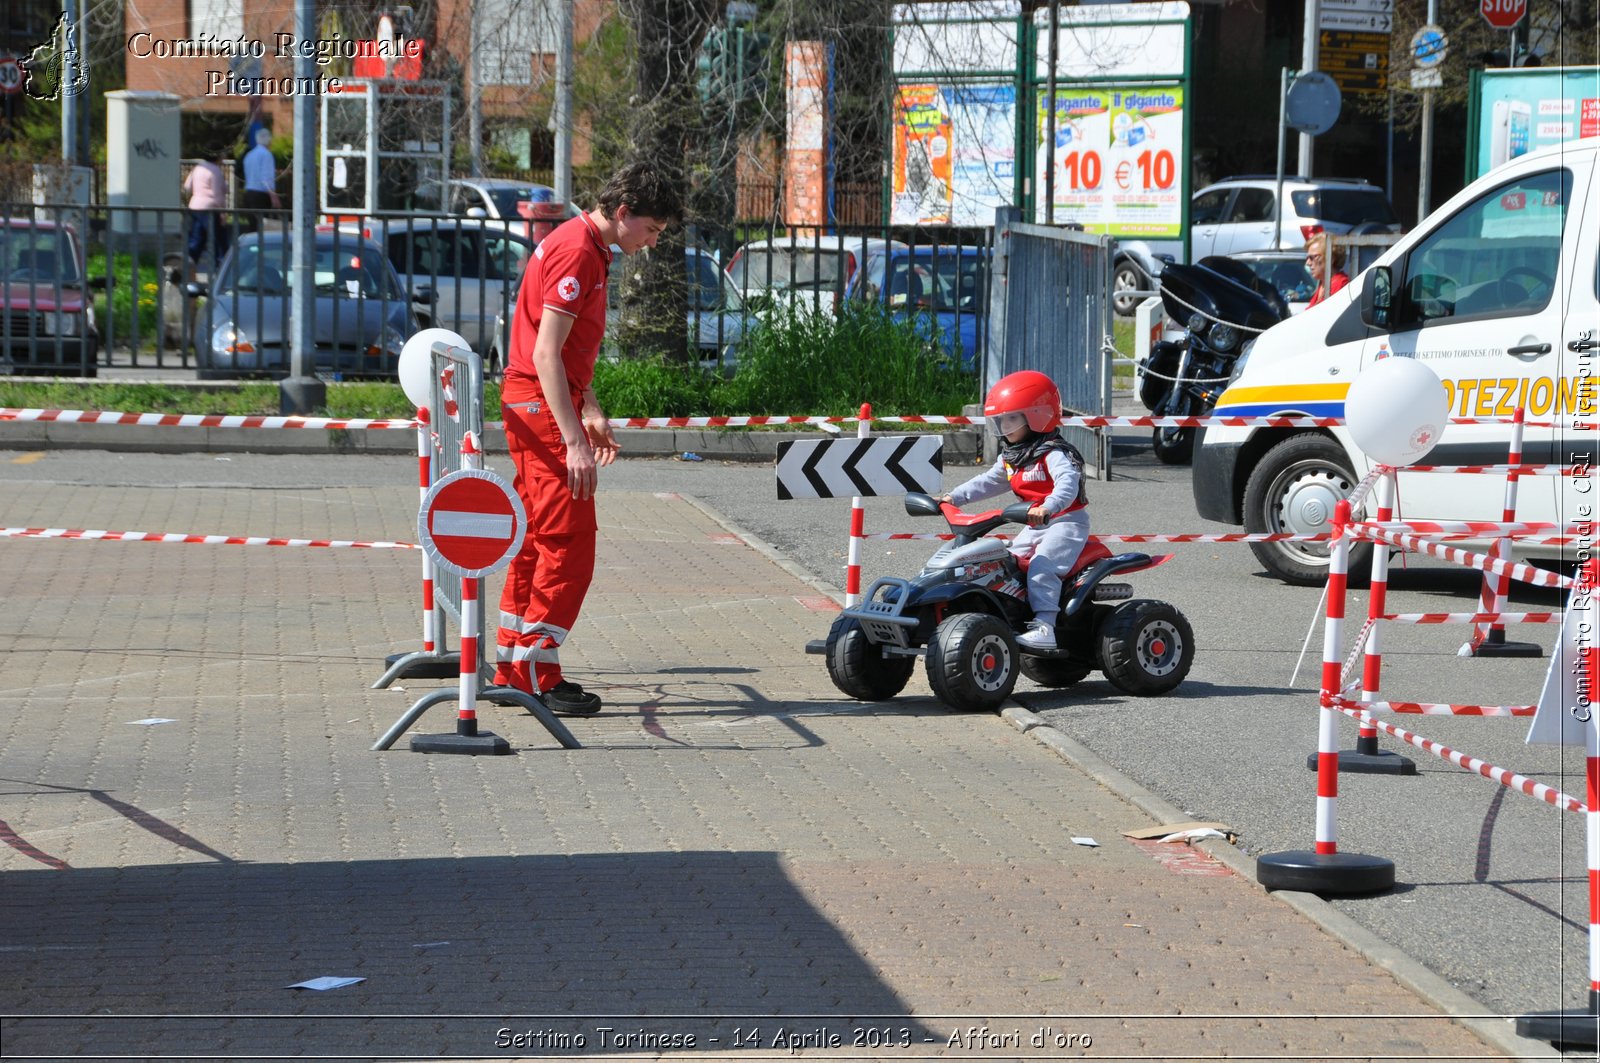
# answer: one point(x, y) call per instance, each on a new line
point(1145, 647)
point(859, 668)
point(973, 662)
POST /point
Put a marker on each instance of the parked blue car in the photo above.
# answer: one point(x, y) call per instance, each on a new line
point(946, 286)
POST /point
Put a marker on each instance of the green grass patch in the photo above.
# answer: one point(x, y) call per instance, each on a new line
point(127, 283)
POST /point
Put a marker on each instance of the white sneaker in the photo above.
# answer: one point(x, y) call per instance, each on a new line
point(1039, 636)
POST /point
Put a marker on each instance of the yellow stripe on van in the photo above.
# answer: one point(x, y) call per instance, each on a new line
point(1273, 398)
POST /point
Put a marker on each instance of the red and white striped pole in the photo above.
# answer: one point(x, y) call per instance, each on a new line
point(858, 524)
point(1325, 870)
point(1328, 722)
point(1366, 757)
point(425, 481)
point(1489, 640)
point(471, 618)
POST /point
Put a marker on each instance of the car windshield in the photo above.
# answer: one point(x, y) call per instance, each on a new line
point(781, 268)
point(1345, 206)
point(506, 199)
point(29, 254)
point(345, 272)
point(937, 281)
point(1290, 276)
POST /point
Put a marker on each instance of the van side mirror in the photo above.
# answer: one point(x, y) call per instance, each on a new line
point(1377, 298)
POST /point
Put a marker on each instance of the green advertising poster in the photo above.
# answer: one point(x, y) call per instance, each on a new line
point(1523, 109)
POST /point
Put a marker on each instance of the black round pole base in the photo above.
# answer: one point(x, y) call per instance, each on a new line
point(1490, 648)
point(444, 666)
point(484, 743)
point(1565, 1029)
point(1325, 874)
point(1359, 762)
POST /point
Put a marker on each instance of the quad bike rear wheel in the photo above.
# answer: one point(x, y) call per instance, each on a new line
point(860, 668)
point(973, 662)
point(1145, 647)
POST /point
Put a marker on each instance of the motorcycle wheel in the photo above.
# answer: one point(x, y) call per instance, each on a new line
point(1173, 446)
point(1055, 672)
point(859, 668)
point(972, 662)
point(1145, 647)
point(1294, 489)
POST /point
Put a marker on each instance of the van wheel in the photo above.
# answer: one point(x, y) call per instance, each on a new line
point(1126, 279)
point(1294, 490)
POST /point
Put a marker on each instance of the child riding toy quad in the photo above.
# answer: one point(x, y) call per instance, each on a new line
point(965, 609)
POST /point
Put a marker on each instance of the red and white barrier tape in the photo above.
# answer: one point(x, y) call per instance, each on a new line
point(1510, 779)
point(1418, 544)
point(195, 420)
point(1472, 618)
point(1505, 470)
point(1471, 528)
point(1181, 537)
point(1435, 708)
point(205, 540)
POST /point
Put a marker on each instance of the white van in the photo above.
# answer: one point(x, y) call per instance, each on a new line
point(1498, 291)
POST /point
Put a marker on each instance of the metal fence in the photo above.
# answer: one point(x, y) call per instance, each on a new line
point(1053, 314)
point(133, 295)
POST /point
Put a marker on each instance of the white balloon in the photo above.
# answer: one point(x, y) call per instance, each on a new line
point(1396, 411)
point(416, 362)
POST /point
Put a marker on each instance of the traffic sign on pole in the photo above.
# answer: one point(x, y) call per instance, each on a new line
point(471, 522)
point(1503, 14)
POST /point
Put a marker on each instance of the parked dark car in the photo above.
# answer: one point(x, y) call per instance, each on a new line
point(473, 267)
point(48, 325)
point(947, 286)
point(363, 314)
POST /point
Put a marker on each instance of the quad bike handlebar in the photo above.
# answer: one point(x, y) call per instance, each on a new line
point(966, 525)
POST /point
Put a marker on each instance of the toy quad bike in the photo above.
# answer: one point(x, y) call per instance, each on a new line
point(965, 609)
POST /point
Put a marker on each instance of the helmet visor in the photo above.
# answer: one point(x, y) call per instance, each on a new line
point(1001, 425)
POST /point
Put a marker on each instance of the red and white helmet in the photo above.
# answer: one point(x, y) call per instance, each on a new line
point(1029, 393)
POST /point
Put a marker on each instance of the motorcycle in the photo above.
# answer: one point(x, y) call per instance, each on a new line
point(1182, 377)
point(963, 612)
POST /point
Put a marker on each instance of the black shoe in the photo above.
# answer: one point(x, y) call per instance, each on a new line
point(569, 697)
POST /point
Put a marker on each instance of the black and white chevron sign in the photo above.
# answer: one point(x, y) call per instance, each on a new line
point(839, 468)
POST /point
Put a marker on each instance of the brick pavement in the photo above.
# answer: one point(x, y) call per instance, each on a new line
point(735, 848)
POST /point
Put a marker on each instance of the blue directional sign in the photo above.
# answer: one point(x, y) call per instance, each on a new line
point(1429, 46)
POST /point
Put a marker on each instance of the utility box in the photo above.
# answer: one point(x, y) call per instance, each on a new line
point(143, 145)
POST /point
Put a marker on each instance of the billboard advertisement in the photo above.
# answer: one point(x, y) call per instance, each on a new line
point(1519, 110)
point(954, 153)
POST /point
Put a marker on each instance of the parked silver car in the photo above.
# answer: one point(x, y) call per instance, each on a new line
point(473, 267)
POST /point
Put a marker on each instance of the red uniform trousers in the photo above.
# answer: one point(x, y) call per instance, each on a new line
point(550, 576)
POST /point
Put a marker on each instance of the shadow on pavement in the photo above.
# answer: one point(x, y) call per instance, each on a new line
point(197, 958)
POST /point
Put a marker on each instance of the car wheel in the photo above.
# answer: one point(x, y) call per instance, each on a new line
point(1145, 647)
point(859, 667)
point(1294, 490)
point(1127, 280)
point(972, 662)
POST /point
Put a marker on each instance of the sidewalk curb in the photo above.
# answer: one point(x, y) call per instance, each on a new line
point(1409, 972)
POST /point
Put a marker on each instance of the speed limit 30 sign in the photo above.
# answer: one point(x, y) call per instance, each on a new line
point(11, 77)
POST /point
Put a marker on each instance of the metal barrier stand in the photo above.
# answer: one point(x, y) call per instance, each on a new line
point(457, 405)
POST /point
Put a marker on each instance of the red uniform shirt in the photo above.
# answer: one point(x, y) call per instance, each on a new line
point(567, 274)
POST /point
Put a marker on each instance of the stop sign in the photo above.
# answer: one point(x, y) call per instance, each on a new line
point(471, 522)
point(1502, 14)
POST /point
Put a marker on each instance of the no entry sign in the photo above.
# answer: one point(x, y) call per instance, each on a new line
point(471, 522)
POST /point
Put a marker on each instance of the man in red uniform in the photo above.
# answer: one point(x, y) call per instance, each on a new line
point(556, 431)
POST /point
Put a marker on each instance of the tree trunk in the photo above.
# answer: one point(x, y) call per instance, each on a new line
point(666, 121)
